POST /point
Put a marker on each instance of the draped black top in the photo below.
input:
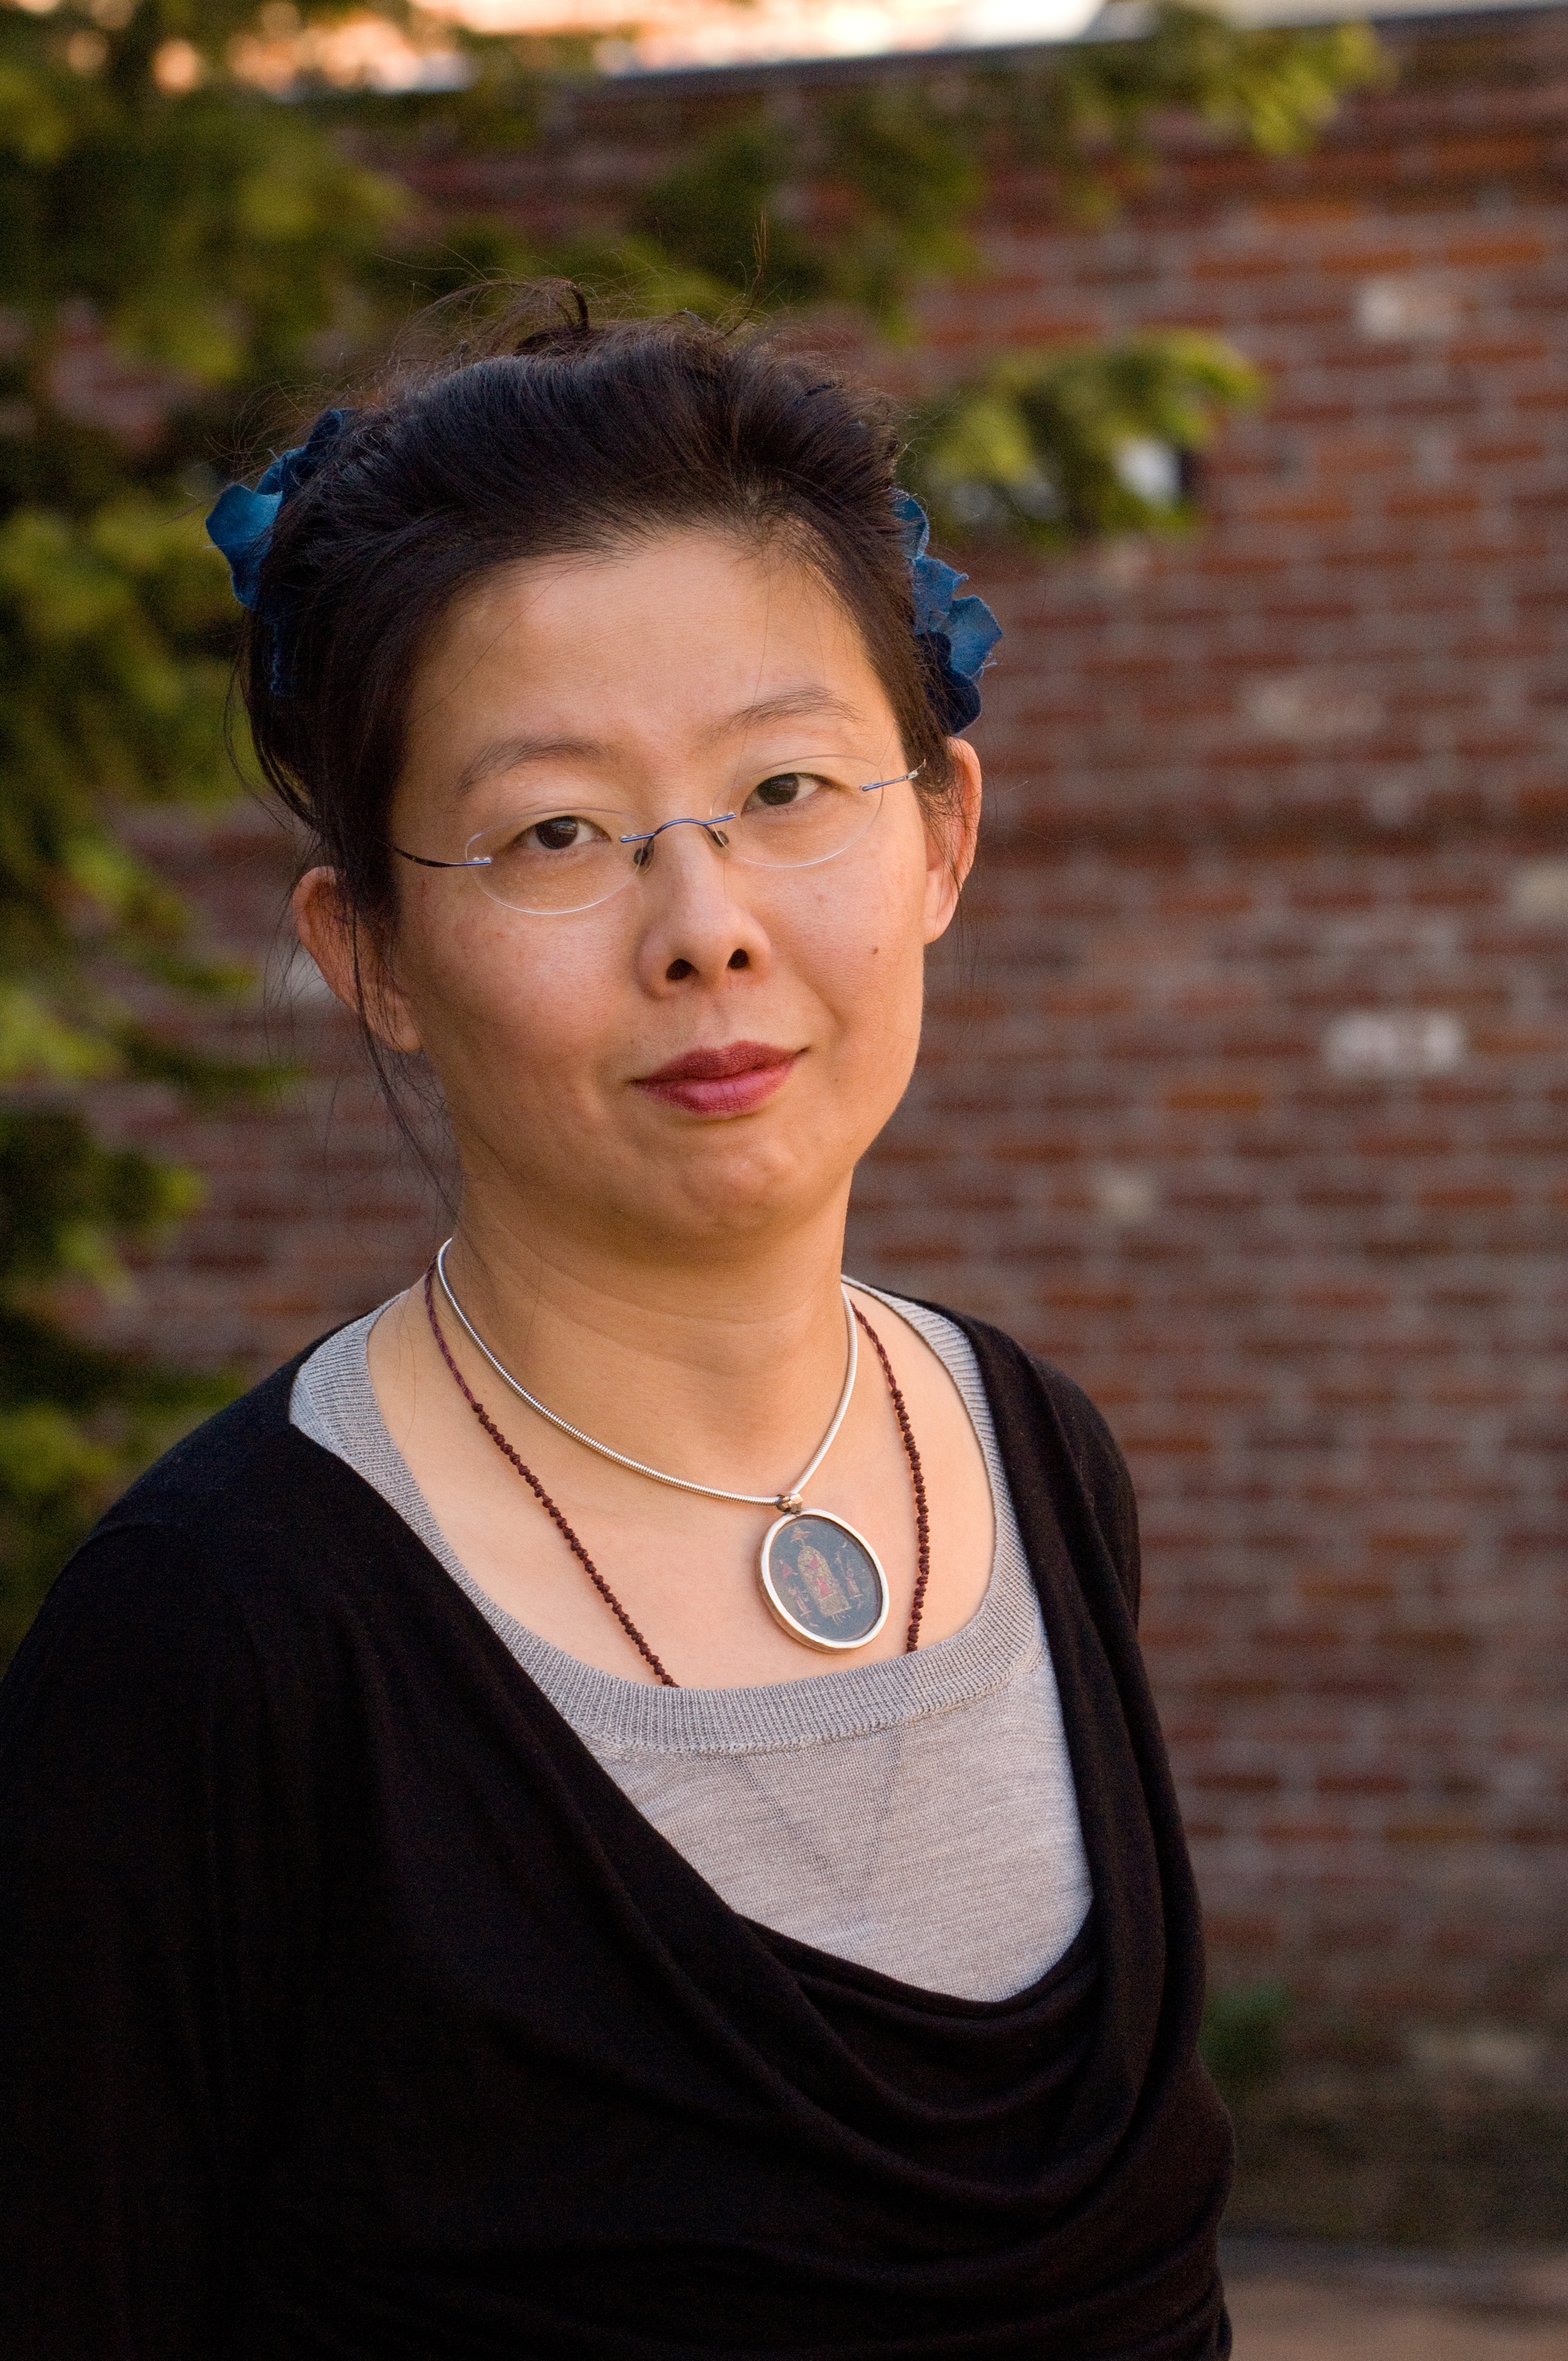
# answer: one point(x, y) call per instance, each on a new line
point(350, 2011)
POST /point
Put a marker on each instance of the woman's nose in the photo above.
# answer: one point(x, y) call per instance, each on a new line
point(696, 925)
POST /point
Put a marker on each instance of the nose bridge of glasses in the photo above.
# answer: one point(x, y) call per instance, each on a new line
point(644, 840)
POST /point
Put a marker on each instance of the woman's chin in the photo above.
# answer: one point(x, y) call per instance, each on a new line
point(726, 1188)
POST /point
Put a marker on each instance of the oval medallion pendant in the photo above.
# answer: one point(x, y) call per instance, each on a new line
point(823, 1581)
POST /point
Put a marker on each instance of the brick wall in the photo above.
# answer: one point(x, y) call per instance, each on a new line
point(1246, 1094)
point(1254, 1113)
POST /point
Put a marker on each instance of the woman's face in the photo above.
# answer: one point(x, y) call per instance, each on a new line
point(684, 675)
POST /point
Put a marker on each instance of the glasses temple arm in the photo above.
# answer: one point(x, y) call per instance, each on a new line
point(484, 862)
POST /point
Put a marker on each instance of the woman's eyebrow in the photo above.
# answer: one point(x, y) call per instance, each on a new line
point(512, 754)
point(812, 700)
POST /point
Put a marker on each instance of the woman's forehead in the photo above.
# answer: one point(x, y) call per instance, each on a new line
point(692, 636)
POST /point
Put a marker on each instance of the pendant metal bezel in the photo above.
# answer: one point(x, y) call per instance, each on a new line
point(781, 1613)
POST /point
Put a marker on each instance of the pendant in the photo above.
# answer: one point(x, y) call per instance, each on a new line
point(823, 1581)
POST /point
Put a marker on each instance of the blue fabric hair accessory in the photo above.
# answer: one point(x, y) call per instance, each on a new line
point(241, 523)
point(960, 633)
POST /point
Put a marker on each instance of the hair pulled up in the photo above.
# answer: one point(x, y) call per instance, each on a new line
point(574, 440)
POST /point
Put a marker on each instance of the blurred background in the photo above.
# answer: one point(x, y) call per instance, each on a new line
point(1233, 351)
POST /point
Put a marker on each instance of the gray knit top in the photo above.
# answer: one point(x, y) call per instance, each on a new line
point(917, 1815)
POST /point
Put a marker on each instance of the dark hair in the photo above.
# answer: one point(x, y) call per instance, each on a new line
point(576, 439)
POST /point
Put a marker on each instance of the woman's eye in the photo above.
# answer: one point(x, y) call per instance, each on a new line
point(564, 833)
point(784, 787)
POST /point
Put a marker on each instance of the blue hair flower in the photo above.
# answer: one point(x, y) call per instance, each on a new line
point(241, 523)
point(959, 632)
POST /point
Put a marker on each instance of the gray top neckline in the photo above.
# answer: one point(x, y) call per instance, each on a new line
point(334, 1400)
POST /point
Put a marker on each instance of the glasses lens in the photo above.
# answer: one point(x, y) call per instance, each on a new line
point(554, 862)
point(795, 818)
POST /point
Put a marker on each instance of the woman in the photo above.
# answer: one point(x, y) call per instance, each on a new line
point(611, 1808)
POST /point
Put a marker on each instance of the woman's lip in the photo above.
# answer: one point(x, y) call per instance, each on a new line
point(732, 1081)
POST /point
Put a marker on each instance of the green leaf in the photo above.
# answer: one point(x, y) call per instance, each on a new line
point(1045, 449)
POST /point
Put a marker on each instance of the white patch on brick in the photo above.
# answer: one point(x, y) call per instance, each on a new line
point(1394, 1041)
point(1310, 706)
point(1392, 311)
point(1507, 2054)
point(1123, 562)
point(1432, 459)
point(1123, 1195)
point(1540, 890)
point(1393, 803)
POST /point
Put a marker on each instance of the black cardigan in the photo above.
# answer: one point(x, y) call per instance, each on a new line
point(348, 2009)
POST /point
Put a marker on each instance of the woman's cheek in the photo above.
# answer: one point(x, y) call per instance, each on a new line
point(493, 985)
point(864, 938)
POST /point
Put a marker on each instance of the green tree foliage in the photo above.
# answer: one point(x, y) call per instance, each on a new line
point(213, 239)
point(1088, 112)
point(157, 202)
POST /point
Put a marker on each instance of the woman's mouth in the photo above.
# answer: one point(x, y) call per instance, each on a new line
point(732, 1081)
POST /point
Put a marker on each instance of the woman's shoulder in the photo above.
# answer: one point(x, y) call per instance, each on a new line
point(242, 1490)
point(216, 1469)
point(229, 1539)
point(1013, 1372)
point(1052, 1437)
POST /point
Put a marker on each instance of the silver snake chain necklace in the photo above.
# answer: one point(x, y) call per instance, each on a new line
point(823, 1582)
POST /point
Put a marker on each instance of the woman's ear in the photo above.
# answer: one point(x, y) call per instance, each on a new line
point(950, 837)
point(351, 965)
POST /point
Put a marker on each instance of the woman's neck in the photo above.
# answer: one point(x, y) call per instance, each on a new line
point(722, 1365)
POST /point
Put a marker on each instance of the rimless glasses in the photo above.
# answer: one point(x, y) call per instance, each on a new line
point(557, 859)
